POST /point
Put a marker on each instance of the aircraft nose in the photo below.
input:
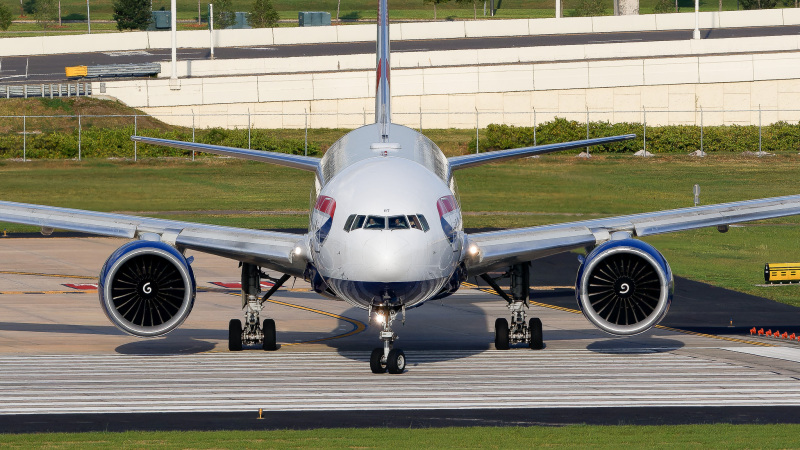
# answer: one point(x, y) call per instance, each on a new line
point(387, 257)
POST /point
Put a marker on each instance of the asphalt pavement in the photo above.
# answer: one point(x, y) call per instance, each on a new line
point(50, 68)
point(66, 368)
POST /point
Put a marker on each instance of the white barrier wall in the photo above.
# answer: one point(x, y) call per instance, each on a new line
point(501, 92)
point(400, 31)
point(726, 103)
point(405, 60)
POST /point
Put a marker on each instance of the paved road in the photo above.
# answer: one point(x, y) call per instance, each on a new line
point(51, 68)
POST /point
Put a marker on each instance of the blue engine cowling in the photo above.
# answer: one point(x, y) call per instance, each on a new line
point(147, 288)
point(624, 287)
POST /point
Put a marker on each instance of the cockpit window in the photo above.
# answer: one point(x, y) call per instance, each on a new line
point(349, 222)
point(398, 223)
point(358, 223)
point(375, 223)
point(414, 222)
point(424, 222)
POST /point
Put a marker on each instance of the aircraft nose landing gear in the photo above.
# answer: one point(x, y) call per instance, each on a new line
point(386, 358)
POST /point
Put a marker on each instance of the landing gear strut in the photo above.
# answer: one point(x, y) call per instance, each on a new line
point(254, 332)
point(387, 358)
point(519, 331)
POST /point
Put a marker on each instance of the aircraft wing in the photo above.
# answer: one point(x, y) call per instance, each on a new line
point(266, 248)
point(491, 250)
point(477, 159)
point(301, 162)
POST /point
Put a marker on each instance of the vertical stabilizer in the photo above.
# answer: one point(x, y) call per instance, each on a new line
point(383, 115)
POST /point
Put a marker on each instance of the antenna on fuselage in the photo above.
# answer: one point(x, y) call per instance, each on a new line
point(383, 114)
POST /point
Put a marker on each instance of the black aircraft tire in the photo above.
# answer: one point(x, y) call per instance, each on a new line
point(501, 341)
point(535, 328)
point(270, 339)
point(235, 335)
point(375, 361)
point(396, 362)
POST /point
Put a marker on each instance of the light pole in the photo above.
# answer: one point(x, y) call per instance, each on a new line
point(696, 34)
point(173, 78)
point(88, 18)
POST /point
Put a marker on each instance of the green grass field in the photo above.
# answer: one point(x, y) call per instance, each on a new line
point(350, 11)
point(612, 437)
point(551, 189)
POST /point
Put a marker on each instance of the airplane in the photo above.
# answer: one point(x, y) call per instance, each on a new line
point(386, 235)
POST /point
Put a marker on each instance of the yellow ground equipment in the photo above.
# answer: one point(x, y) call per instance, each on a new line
point(782, 273)
point(76, 71)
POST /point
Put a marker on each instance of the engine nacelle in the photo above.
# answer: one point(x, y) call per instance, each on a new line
point(147, 288)
point(624, 287)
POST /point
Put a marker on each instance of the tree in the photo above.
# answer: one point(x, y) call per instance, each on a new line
point(758, 4)
point(663, 7)
point(5, 17)
point(223, 14)
point(435, 2)
point(589, 8)
point(132, 14)
point(263, 14)
point(474, 6)
point(46, 13)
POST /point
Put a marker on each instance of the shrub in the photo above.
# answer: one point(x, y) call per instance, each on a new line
point(5, 17)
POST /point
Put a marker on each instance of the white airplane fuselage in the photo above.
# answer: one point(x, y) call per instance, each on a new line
point(386, 227)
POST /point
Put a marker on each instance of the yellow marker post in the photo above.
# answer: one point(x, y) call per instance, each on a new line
point(260, 412)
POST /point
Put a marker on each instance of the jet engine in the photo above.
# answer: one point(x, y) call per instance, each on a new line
point(147, 288)
point(624, 286)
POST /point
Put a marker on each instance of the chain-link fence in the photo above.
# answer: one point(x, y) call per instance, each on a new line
point(106, 136)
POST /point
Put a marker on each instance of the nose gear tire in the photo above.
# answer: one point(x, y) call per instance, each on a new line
point(501, 338)
point(235, 335)
point(270, 339)
point(535, 329)
point(375, 362)
point(396, 362)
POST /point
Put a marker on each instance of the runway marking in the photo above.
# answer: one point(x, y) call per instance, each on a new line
point(713, 336)
point(358, 326)
point(128, 53)
point(45, 292)
point(661, 327)
point(784, 353)
point(302, 381)
point(53, 275)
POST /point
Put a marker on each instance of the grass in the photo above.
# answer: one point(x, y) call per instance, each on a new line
point(551, 189)
point(682, 436)
point(350, 11)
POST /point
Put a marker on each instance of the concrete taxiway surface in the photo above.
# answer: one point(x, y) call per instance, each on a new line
point(67, 367)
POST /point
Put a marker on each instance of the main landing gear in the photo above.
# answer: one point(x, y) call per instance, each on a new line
point(519, 331)
point(253, 332)
point(386, 358)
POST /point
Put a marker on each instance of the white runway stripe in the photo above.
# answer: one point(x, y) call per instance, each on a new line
point(331, 381)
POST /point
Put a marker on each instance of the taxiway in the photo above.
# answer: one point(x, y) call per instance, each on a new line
point(66, 367)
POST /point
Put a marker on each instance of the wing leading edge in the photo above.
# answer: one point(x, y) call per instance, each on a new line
point(267, 248)
point(501, 248)
point(307, 163)
point(466, 161)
